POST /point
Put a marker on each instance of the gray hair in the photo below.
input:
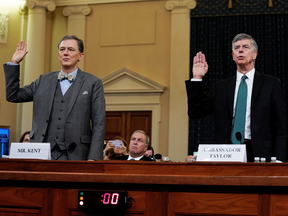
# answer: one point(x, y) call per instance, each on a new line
point(143, 132)
point(243, 36)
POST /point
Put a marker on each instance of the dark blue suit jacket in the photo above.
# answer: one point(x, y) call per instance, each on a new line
point(268, 134)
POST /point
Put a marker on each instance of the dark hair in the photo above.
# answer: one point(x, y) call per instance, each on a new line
point(122, 139)
point(110, 153)
point(151, 148)
point(23, 136)
point(73, 37)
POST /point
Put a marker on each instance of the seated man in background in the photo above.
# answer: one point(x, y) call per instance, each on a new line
point(139, 142)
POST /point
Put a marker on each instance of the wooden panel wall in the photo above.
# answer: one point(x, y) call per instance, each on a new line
point(50, 188)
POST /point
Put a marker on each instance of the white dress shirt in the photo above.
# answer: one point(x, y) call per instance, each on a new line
point(137, 158)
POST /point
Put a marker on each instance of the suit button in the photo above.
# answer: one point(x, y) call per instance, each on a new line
point(62, 101)
point(59, 118)
point(56, 137)
point(43, 135)
point(47, 121)
point(58, 128)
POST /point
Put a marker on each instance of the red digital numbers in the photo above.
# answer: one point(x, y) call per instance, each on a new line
point(114, 198)
point(106, 198)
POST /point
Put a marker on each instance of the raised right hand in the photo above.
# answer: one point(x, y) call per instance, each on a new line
point(20, 52)
point(200, 66)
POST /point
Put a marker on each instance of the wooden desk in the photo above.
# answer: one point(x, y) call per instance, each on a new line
point(50, 188)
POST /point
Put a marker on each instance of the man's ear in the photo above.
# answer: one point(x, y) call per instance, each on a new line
point(255, 55)
point(81, 56)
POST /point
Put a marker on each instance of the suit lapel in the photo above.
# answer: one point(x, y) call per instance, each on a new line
point(230, 94)
point(53, 82)
point(257, 83)
point(78, 84)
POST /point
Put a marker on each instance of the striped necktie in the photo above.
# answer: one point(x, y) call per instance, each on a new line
point(240, 113)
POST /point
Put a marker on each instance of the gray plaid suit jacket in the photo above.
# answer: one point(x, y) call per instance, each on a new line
point(85, 120)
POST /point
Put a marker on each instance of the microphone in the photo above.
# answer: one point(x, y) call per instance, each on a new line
point(239, 137)
point(158, 157)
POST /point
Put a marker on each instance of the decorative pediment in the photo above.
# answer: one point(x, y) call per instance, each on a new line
point(127, 81)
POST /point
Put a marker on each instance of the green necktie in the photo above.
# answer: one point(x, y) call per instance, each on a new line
point(240, 112)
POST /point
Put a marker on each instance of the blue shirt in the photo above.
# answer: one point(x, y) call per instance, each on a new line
point(65, 83)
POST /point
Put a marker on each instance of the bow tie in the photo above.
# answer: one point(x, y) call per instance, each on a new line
point(62, 76)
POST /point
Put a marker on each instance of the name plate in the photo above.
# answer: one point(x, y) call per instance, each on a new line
point(216, 152)
point(30, 151)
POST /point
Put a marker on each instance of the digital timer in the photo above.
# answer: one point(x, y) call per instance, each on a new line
point(102, 200)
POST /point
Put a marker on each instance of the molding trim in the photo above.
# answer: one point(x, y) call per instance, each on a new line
point(144, 85)
point(4, 19)
point(49, 4)
point(76, 2)
point(77, 9)
point(190, 4)
point(23, 8)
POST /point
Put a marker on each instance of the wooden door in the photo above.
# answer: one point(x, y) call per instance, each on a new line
point(124, 123)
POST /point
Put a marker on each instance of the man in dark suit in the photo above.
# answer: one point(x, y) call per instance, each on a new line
point(139, 143)
point(264, 131)
point(68, 111)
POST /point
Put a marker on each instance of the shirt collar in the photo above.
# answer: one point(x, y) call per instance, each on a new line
point(73, 72)
point(249, 74)
point(137, 158)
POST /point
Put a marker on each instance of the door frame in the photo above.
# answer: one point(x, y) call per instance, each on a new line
point(156, 117)
point(126, 90)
